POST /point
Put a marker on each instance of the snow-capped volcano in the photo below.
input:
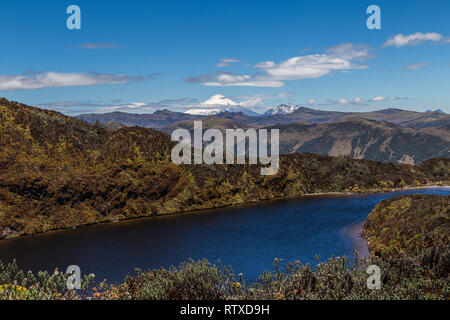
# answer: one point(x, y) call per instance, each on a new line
point(281, 109)
point(217, 104)
point(219, 99)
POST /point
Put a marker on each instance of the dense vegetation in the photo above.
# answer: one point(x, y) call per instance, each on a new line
point(58, 171)
point(422, 273)
point(409, 224)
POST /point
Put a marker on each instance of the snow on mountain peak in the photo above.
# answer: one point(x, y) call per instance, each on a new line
point(437, 110)
point(217, 104)
point(282, 109)
point(219, 99)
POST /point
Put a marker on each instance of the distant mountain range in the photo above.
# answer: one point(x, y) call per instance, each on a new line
point(437, 110)
point(279, 115)
point(385, 135)
point(157, 120)
point(358, 138)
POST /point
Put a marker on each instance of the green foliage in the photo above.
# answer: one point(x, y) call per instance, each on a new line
point(402, 277)
point(193, 280)
point(408, 223)
point(15, 284)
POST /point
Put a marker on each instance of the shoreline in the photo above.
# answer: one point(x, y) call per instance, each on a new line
point(445, 184)
point(354, 233)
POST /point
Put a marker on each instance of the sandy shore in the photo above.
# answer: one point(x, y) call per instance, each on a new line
point(353, 232)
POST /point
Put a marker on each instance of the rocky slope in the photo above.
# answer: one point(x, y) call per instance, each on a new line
point(365, 139)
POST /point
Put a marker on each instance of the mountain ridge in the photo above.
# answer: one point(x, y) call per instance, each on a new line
point(364, 139)
point(358, 138)
point(396, 116)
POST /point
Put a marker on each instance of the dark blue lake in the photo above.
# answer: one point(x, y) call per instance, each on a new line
point(246, 237)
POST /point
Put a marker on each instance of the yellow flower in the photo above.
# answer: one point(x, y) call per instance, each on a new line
point(16, 288)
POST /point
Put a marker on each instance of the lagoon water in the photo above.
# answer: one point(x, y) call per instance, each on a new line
point(247, 237)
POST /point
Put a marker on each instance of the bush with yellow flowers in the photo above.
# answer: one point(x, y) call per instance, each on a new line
point(15, 284)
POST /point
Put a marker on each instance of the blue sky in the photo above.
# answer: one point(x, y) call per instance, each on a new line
point(147, 55)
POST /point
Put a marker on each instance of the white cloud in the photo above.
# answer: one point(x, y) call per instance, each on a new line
point(335, 59)
point(55, 79)
point(354, 101)
point(401, 40)
point(349, 51)
point(99, 45)
point(258, 100)
point(138, 107)
point(357, 101)
point(381, 98)
point(231, 80)
point(311, 101)
point(415, 66)
point(88, 106)
point(225, 62)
